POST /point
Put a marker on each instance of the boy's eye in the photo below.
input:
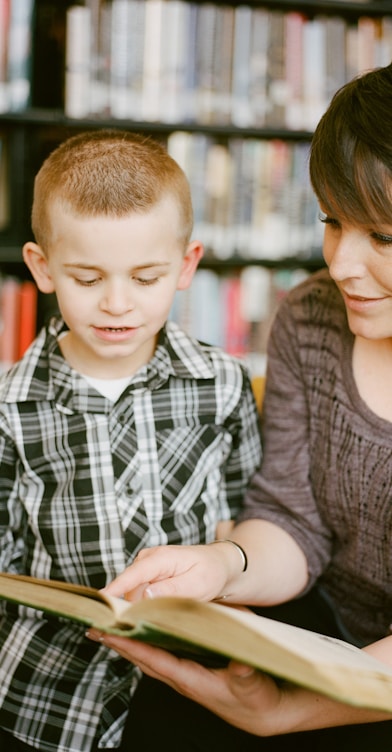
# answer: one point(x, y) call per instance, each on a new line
point(146, 281)
point(86, 282)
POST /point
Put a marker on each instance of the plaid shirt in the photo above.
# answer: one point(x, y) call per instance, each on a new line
point(85, 484)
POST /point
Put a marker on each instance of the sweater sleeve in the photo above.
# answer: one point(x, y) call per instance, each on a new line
point(281, 491)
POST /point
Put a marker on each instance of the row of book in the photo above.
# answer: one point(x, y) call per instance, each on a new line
point(178, 61)
point(252, 198)
point(16, 32)
point(235, 311)
point(18, 318)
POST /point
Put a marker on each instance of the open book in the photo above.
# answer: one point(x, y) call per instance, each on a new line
point(213, 633)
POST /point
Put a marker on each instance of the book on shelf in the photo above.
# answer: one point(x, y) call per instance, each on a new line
point(18, 318)
point(221, 74)
point(151, 86)
point(206, 27)
point(4, 182)
point(294, 30)
point(174, 61)
point(19, 54)
point(314, 71)
point(258, 66)
point(28, 301)
point(211, 63)
point(100, 55)
point(4, 32)
point(214, 633)
point(122, 54)
point(9, 321)
point(241, 115)
point(78, 62)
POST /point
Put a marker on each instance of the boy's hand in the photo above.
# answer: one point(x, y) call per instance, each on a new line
point(200, 571)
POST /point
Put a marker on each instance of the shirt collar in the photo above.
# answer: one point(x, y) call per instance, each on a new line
point(43, 374)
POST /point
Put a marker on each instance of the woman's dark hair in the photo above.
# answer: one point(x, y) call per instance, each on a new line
point(351, 151)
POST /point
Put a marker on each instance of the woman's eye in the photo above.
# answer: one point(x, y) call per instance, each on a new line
point(327, 220)
point(382, 239)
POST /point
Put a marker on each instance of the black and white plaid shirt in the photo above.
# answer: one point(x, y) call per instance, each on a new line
point(85, 484)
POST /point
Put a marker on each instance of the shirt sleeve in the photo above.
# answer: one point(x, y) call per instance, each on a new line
point(281, 490)
point(11, 510)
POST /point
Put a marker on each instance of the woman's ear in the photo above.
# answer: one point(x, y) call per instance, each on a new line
point(193, 254)
point(36, 261)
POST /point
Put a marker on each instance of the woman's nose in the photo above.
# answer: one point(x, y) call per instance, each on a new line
point(345, 257)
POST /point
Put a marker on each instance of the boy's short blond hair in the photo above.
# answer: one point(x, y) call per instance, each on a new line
point(108, 172)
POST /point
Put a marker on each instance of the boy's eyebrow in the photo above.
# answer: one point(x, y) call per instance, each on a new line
point(137, 267)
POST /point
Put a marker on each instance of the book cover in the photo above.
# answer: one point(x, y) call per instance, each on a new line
point(214, 633)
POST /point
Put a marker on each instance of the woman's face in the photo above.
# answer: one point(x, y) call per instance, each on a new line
point(359, 259)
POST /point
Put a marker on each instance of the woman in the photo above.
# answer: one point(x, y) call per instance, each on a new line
point(318, 514)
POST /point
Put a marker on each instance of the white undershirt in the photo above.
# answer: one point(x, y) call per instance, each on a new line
point(110, 388)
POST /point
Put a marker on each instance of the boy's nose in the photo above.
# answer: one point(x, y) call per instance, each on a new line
point(117, 299)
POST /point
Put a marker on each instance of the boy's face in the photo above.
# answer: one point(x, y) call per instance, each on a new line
point(115, 280)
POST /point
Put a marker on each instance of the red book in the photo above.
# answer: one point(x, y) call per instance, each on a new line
point(28, 295)
point(9, 321)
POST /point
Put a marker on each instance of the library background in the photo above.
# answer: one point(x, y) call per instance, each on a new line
point(234, 90)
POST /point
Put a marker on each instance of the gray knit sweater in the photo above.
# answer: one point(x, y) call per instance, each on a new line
point(326, 476)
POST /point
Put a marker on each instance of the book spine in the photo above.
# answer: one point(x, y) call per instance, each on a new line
point(222, 65)
point(28, 296)
point(205, 43)
point(294, 29)
point(4, 34)
point(173, 61)
point(120, 59)
point(20, 54)
point(100, 15)
point(258, 64)
point(4, 184)
point(9, 321)
point(136, 43)
point(77, 62)
point(240, 98)
point(151, 100)
point(276, 71)
point(314, 72)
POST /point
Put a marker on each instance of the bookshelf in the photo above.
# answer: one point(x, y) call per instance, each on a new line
point(235, 91)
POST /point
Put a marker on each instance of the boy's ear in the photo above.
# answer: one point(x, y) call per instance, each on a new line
point(37, 263)
point(193, 254)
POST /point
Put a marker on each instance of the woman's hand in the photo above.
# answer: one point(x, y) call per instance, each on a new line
point(240, 695)
point(237, 694)
point(200, 571)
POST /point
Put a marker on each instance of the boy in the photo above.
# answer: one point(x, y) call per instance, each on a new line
point(117, 430)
